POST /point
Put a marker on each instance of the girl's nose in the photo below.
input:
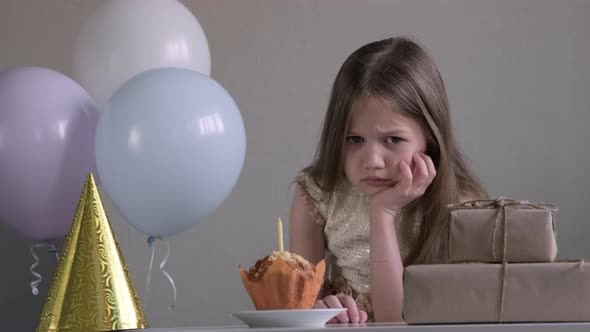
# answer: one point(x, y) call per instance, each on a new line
point(373, 158)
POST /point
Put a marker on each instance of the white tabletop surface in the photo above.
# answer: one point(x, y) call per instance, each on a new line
point(380, 327)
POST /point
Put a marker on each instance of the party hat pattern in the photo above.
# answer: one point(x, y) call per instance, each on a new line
point(91, 289)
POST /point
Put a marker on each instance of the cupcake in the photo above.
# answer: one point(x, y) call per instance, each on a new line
point(283, 280)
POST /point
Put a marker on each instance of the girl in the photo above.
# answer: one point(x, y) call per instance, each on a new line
point(375, 197)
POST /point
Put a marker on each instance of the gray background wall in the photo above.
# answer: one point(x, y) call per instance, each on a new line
point(517, 74)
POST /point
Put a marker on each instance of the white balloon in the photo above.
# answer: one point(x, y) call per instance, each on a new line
point(123, 38)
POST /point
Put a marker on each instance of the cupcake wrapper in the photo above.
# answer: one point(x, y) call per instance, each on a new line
point(281, 287)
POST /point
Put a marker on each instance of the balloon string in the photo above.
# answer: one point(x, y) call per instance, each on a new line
point(37, 278)
point(151, 243)
point(165, 273)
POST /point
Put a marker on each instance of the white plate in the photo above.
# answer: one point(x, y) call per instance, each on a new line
point(287, 318)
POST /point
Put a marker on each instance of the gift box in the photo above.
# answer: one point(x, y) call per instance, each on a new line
point(487, 293)
point(502, 230)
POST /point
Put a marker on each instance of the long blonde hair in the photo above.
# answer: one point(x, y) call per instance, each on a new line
point(398, 71)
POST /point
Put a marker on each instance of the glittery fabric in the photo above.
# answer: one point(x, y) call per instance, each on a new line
point(345, 218)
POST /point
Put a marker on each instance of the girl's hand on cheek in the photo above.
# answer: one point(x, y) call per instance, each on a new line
point(412, 184)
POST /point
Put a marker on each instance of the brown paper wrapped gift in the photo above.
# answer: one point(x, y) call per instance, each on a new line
point(486, 293)
point(485, 230)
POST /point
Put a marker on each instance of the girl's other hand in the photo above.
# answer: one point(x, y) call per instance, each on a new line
point(412, 185)
point(352, 315)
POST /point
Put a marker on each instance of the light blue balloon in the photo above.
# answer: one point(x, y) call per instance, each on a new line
point(170, 148)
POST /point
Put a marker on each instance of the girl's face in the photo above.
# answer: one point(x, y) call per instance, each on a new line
point(378, 139)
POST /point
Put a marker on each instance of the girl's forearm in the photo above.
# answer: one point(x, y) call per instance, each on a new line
point(386, 269)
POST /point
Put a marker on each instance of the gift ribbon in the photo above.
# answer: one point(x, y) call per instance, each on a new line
point(151, 243)
point(501, 204)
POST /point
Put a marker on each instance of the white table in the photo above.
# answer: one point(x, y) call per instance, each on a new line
point(381, 327)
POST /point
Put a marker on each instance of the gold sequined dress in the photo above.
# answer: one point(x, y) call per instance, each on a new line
point(345, 218)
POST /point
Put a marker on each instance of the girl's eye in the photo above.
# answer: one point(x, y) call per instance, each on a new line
point(354, 139)
point(393, 139)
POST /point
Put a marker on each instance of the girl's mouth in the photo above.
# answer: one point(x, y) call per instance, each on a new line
point(377, 182)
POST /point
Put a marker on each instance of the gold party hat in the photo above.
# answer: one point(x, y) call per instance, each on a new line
point(91, 289)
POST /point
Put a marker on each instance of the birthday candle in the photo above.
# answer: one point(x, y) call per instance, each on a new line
point(280, 226)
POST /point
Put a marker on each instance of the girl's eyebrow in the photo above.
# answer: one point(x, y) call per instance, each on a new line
point(388, 131)
point(397, 131)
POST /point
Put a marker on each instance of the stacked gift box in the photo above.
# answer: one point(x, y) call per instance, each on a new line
point(502, 269)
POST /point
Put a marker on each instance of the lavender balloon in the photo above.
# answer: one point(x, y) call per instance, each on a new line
point(47, 128)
